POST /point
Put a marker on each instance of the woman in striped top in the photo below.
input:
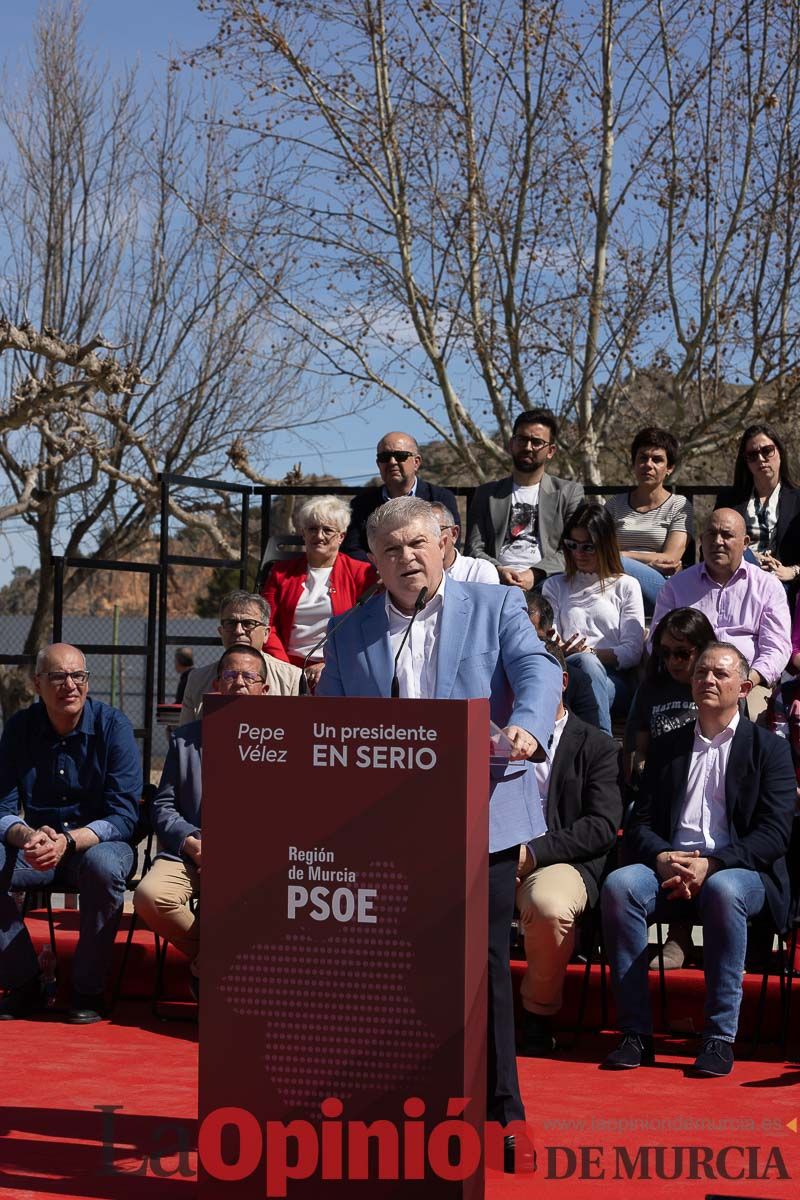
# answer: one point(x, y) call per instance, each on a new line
point(653, 523)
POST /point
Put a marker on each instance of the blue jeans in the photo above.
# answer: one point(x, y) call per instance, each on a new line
point(632, 899)
point(649, 579)
point(99, 874)
point(608, 686)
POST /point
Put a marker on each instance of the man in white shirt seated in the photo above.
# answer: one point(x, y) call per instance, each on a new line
point(457, 565)
point(708, 840)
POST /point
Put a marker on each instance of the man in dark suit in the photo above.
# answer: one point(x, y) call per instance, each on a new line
point(517, 522)
point(469, 640)
point(398, 460)
point(560, 871)
point(708, 842)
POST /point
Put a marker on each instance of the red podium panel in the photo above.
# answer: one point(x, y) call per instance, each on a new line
point(344, 954)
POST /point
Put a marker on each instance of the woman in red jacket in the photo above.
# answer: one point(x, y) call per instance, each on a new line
point(305, 592)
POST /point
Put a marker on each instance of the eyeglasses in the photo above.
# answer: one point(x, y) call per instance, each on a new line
point(247, 676)
point(761, 452)
point(533, 442)
point(386, 456)
point(59, 678)
point(579, 547)
point(679, 655)
point(248, 624)
point(323, 530)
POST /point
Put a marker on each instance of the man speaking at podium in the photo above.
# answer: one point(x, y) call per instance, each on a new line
point(431, 637)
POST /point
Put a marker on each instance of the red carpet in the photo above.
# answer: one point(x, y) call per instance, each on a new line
point(589, 1126)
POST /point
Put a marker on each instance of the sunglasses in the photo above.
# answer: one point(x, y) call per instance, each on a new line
point(579, 547)
point(387, 456)
point(666, 654)
point(762, 452)
point(247, 624)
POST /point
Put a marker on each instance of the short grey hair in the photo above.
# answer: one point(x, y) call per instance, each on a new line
point(43, 657)
point(729, 648)
point(251, 599)
point(444, 513)
point(397, 513)
point(329, 510)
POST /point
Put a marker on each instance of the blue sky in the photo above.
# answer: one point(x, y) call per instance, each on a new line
point(146, 32)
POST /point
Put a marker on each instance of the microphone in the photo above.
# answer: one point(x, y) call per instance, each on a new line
point(419, 604)
point(367, 595)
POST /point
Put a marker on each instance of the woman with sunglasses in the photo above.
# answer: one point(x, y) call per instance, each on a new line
point(653, 523)
point(764, 492)
point(664, 702)
point(598, 610)
point(305, 592)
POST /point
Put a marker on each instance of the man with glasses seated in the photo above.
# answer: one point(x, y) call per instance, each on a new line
point(162, 898)
point(398, 460)
point(517, 522)
point(243, 618)
point(70, 784)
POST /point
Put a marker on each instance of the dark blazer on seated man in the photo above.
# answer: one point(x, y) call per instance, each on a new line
point(369, 498)
point(760, 793)
point(707, 843)
point(560, 871)
point(398, 459)
point(584, 804)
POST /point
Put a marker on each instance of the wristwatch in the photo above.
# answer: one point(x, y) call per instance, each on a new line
point(71, 847)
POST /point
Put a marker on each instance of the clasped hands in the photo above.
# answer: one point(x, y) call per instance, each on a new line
point(683, 873)
point(44, 848)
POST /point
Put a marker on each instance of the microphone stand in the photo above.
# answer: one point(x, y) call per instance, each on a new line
point(419, 604)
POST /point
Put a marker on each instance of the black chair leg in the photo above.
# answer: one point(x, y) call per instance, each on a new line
point(115, 995)
point(662, 980)
point(50, 923)
point(787, 993)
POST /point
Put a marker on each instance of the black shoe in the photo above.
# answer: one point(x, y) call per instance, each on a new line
point(86, 1010)
point(22, 1002)
point(536, 1040)
point(635, 1050)
point(519, 1158)
point(715, 1058)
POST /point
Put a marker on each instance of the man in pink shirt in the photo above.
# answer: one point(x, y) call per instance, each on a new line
point(745, 605)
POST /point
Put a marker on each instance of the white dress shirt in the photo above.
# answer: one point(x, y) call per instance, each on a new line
point(542, 770)
point(703, 823)
point(472, 570)
point(416, 669)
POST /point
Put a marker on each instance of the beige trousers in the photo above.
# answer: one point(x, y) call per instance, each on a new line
point(549, 900)
point(162, 901)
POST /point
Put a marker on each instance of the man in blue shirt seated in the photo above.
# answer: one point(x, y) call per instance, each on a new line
point(70, 782)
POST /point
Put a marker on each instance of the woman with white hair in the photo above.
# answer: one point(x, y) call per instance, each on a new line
point(305, 592)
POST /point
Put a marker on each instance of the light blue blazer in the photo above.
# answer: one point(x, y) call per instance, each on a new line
point(487, 647)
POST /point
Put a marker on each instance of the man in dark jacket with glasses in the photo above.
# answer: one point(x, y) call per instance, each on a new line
point(398, 460)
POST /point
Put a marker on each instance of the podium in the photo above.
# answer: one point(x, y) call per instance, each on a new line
point(344, 947)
